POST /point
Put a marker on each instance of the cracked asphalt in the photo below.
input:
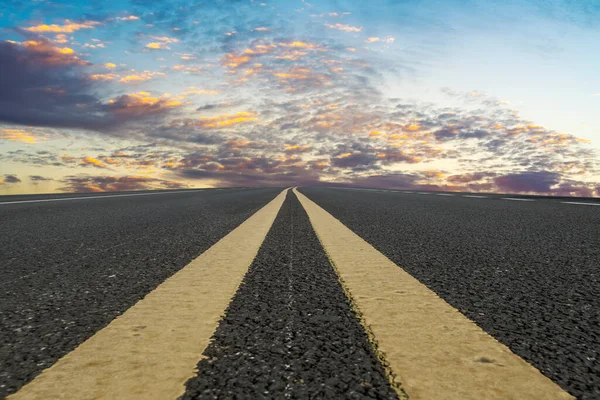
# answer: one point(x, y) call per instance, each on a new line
point(70, 267)
point(290, 331)
point(528, 273)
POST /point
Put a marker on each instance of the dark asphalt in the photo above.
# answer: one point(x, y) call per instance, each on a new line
point(528, 273)
point(68, 268)
point(290, 331)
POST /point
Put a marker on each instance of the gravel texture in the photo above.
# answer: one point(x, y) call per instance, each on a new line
point(528, 273)
point(69, 267)
point(290, 331)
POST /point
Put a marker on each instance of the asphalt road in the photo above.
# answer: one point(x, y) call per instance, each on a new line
point(527, 272)
point(69, 267)
point(290, 331)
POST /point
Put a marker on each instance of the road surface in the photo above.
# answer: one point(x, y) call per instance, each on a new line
point(245, 292)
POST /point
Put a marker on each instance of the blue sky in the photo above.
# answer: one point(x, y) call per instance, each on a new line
point(497, 96)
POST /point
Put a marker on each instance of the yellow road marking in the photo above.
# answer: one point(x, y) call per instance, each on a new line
point(152, 349)
point(434, 351)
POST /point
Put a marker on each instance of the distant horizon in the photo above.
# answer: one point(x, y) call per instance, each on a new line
point(501, 97)
point(339, 186)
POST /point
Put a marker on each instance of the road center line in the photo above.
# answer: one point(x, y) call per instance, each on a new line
point(515, 199)
point(433, 350)
point(100, 197)
point(151, 350)
point(474, 196)
point(444, 194)
point(580, 203)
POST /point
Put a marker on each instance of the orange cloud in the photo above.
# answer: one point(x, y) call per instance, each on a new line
point(296, 148)
point(67, 27)
point(142, 103)
point(103, 77)
point(85, 161)
point(433, 173)
point(61, 38)
point(17, 135)
point(157, 46)
point(300, 45)
point(412, 128)
point(224, 120)
point(144, 76)
point(52, 55)
point(187, 69)
point(294, 73)
point(345, 28)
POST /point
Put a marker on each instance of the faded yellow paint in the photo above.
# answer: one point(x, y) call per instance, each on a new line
point(153, 348)
point(433, 350)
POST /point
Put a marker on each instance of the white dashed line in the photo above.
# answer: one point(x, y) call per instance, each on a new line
point(95, 197)
point(474, 197)
point(423, 193)
point(444, 194)
point(582, 204)
point(515, 199)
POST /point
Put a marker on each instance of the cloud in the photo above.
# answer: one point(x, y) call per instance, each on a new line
point(67, 27)
point(157, 46)
point(42, 87)
point(140, 77)
point(524, 182)
point(38, 178)
point(104, 77)
point(128, 18)
point(90, 161)
point(194, 91)
point(345, 28)
point(297, 148)
point(188, 69)
point(61, 38)
point(47, 54)
point(45, 88)
point(90, 183)
point(388, 40)
point(141, 104)
point(164, 39)
point(225, 120)
point(18, 135)
point(10, 178)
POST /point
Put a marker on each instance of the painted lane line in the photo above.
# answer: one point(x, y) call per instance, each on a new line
point(474, 196)
point(580, 203)
point(444, 194)
point(515, 199)
point(433, 351)
point(422, 193)
point(151, 350)
point(100, 197)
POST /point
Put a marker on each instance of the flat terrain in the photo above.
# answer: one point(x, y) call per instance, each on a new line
point(527, 272)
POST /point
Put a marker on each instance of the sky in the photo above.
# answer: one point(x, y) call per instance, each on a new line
point(451, 95)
